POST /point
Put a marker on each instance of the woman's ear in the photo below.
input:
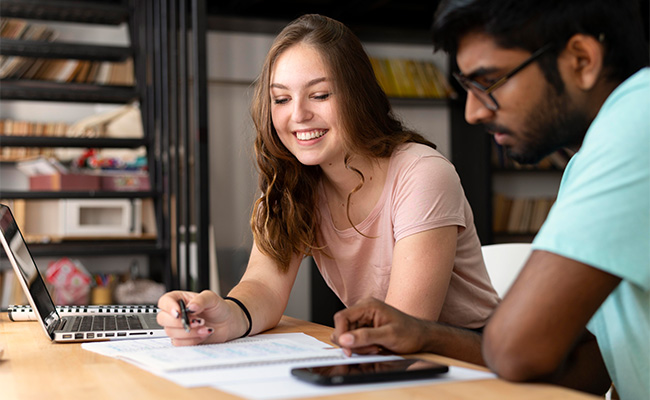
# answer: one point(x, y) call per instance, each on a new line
point(582, 61)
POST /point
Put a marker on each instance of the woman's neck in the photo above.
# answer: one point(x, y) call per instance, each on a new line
point(340, 182)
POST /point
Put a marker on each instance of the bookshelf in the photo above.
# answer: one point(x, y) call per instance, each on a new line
point(139, 17)
point(169, 85)
point(523, 194)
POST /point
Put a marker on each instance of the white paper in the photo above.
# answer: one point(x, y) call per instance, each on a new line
point(159, 355)
point(267, 377)
point(285, 386)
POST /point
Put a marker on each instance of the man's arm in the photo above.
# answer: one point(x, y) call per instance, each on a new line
point(538, 331)
point(371, 324)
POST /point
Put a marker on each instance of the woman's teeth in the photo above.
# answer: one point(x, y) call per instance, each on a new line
point(309, 135)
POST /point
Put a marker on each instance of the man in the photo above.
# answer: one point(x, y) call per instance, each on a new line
point(541, 76)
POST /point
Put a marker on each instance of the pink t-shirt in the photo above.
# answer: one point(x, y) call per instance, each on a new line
point(422, 192)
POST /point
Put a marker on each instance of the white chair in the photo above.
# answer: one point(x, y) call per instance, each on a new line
point(503, 262)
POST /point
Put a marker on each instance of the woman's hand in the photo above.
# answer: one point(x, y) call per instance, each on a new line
point(212, 319)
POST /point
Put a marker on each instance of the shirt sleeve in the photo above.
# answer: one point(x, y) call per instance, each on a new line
point(427, 194)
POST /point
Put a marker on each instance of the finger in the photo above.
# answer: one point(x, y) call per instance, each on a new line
point(169, 301)
point(198, 302)
point(362, 350)
point(197, 335)
point(169, 320)
point(351, 319)
point(166, 319)
point(197, 322)
point(364, 337)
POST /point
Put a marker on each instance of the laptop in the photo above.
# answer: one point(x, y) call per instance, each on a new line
point(70, 328)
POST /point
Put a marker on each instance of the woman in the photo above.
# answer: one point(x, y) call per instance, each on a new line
point(381, 211)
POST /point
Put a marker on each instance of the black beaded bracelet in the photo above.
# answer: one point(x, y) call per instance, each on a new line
point(245, 310)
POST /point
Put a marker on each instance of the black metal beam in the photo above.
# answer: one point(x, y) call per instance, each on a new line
point(200, 125)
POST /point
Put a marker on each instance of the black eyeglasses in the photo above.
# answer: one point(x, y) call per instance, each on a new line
point(484, 94)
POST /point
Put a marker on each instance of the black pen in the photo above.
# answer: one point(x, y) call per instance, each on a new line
point(184, 317)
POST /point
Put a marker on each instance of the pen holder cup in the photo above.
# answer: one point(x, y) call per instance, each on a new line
point(101, 295)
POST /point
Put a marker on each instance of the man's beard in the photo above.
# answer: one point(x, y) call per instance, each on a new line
point(556, 123)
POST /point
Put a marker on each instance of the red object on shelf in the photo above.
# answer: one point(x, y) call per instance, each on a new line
point(70, 281)
point(74, 182)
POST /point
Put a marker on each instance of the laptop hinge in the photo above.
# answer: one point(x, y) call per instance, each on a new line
point(56, 325)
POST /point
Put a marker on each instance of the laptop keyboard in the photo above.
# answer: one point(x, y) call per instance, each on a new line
point(106, 323)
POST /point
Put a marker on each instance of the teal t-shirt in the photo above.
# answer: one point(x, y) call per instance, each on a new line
point(602, 218)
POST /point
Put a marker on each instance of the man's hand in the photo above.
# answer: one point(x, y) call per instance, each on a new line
point(370, 325)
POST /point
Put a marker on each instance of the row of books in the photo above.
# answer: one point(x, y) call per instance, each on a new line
point(20, 29)
point(62, 70)
point(10, 127)
point(520, 215)
point(58, 70)
point(557, 160)
point(411, 78)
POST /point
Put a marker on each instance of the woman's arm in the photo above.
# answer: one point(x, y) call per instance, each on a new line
point(421, 272)
point(263, 290)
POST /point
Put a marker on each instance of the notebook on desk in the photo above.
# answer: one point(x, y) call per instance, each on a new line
point(72, 328)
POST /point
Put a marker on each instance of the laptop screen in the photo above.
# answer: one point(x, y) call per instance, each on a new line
point(16, 249)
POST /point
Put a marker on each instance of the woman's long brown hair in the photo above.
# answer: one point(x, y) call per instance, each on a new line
point(285, 217)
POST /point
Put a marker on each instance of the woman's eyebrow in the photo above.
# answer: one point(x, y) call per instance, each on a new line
point(308, 84)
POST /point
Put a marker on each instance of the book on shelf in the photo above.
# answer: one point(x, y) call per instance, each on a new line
point(516, 215)
point(501, 212)
point(526, 213)
point(411, 78)
point(12, 28)
point(539, 213)
point(386, 78)
point(418, 84)
point(10, 127)
point(18, 28)
point(68, 70)
point(519, 215)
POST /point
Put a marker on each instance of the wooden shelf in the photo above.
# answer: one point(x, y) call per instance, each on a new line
point(43, 49)
point(16, 194)
point(49, 141)
point(68, 92)
point(86, 248)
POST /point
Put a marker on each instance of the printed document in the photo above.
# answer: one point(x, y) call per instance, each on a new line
point(159, 355)
point(257, 367)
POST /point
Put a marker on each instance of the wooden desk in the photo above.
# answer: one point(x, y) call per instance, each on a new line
point(32, 366)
